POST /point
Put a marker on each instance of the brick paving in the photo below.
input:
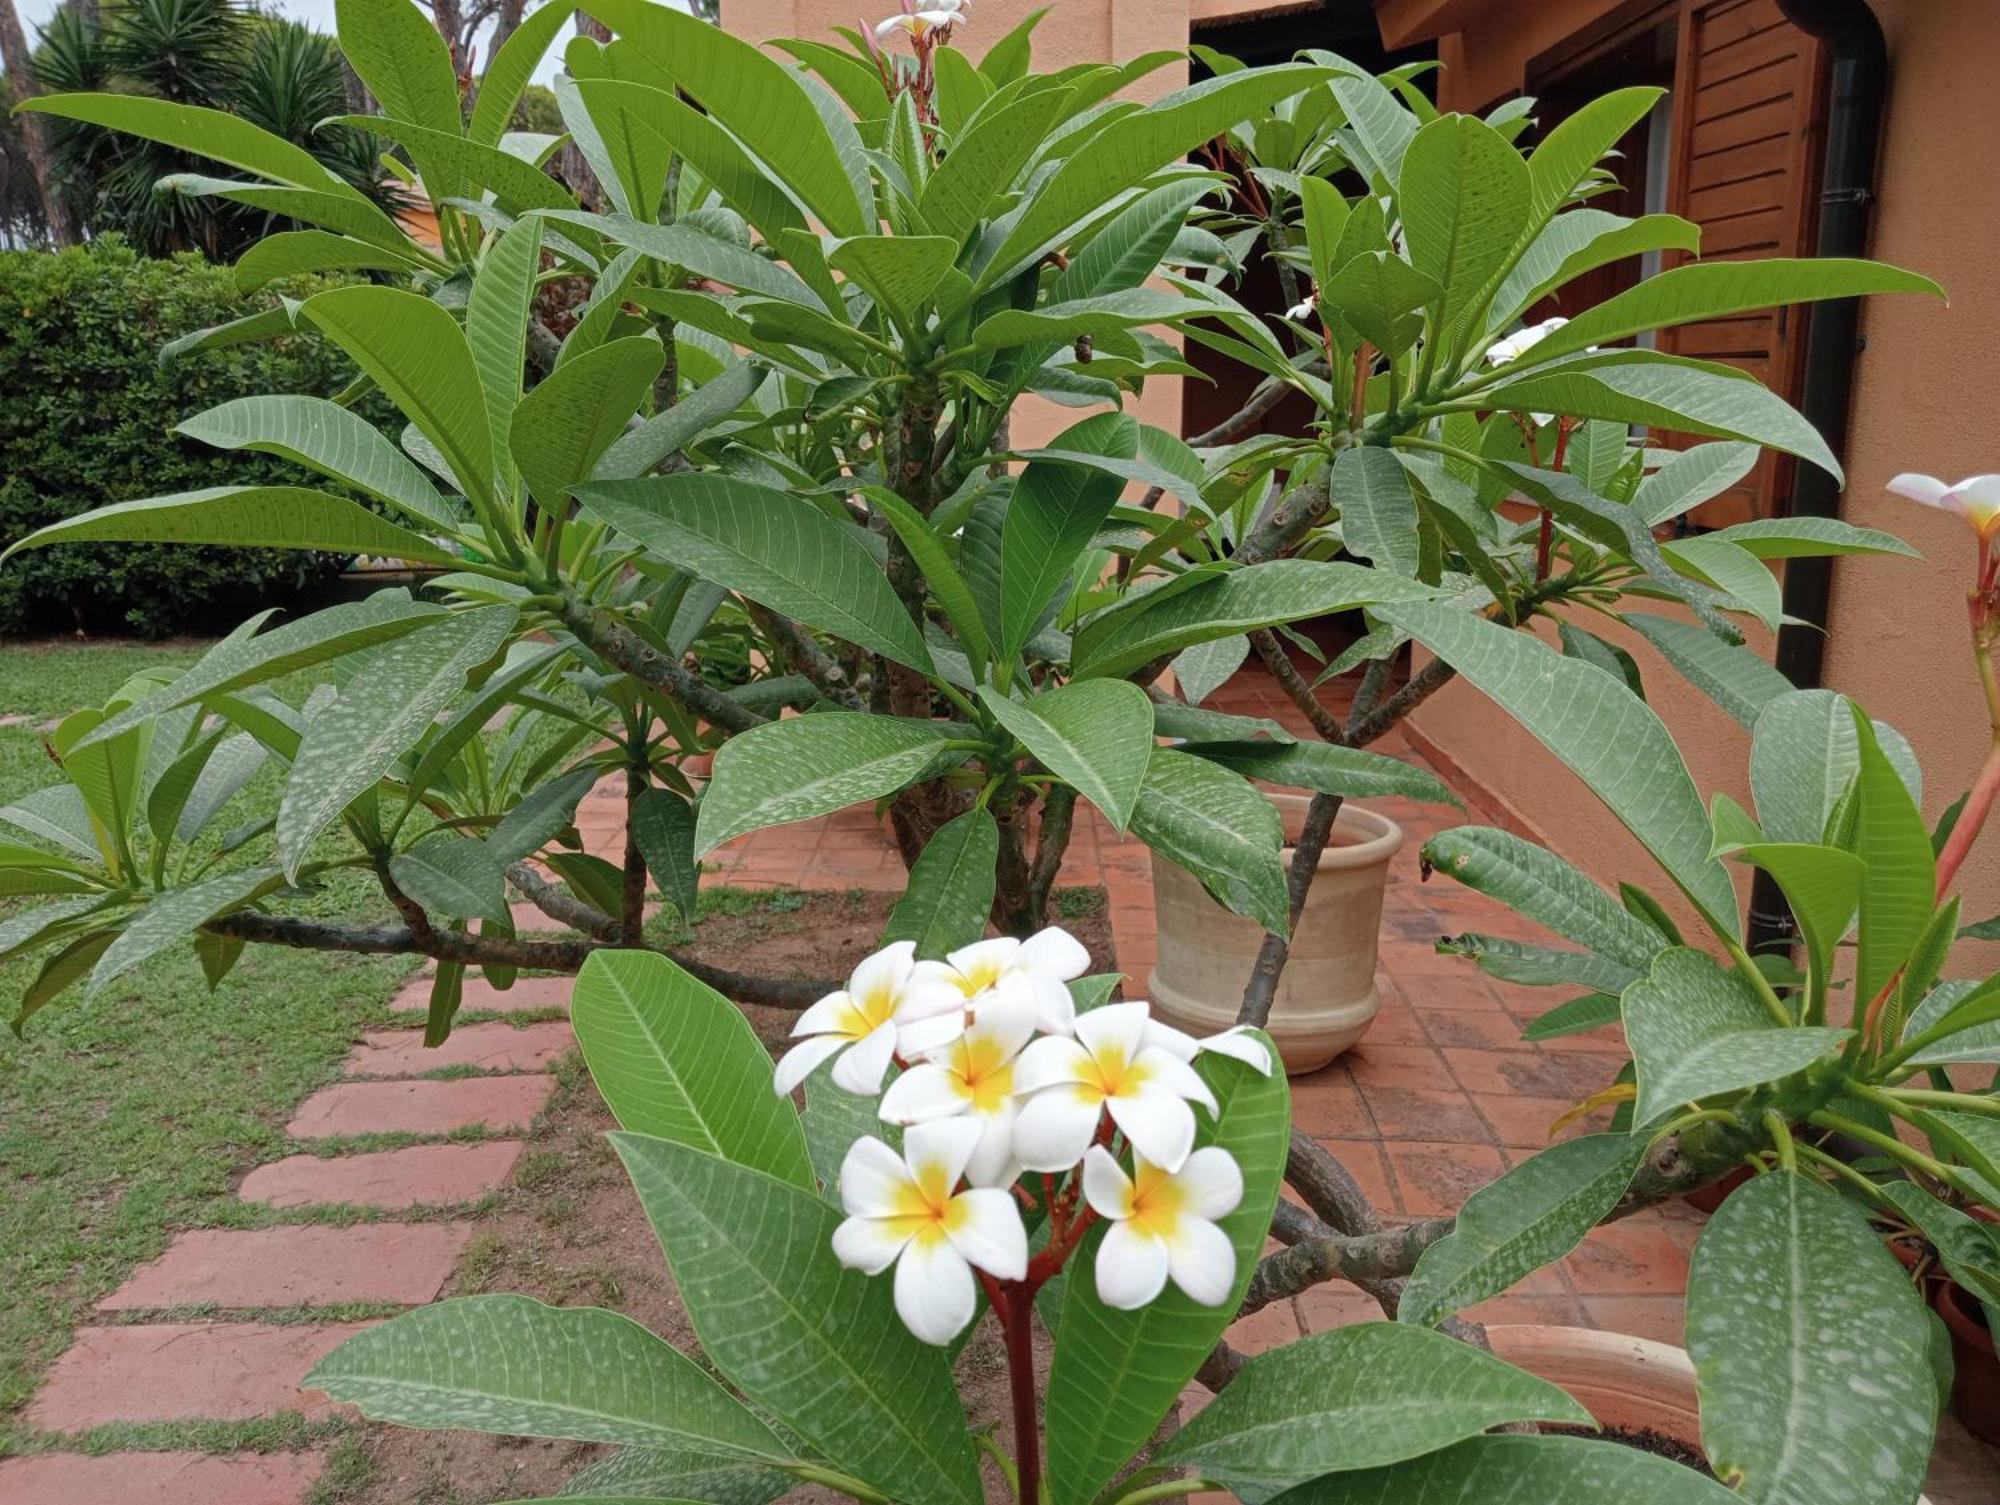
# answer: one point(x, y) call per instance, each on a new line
point(1439, 1098)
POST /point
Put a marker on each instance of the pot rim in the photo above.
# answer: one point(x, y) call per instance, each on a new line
point(1378, 837)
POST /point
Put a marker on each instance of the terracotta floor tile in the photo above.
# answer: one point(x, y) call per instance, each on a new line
point(1335, 1304)
point(1328, 1103)
point(1507, 1073)
point(1260, 1332)
point(1470, 1029)
point(1636, 1256)
point(1423, 1113)
point(1525, 1121)
point(1365, 1162)
point(1436, 1177)
point(1376, 1064)
point(1397, 1024)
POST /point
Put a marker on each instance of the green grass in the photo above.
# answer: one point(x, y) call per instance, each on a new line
point(127, 1118)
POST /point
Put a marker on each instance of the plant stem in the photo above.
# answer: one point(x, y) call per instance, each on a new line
point(1978, 805)
point(1166, 1489)
point(1015, 1304)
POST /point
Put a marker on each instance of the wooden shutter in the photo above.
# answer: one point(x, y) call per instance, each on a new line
point(1749, 116)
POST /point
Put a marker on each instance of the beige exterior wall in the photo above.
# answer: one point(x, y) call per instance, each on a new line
point(1926, 399)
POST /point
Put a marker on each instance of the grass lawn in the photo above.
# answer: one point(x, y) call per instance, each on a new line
point(128, 1118)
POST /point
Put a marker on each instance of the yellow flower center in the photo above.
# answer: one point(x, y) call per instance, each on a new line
point(865, 1012)
point(925, 1207)
point(1157, 1202)
point(977, 978)
point(1111, 1074)
point(981, 1075)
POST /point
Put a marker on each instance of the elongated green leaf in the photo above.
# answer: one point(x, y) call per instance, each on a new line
point(900, 272)
point(1261, 595)
point(1095, 734)
point(235, 760)
point(1580, 241)
point(416, 352)
point(677, 1474)
point(1535, 882)
point(328, 438)
point(352, 742)
point(668, 432)
point(1691, 477)
point(986, 162)
point(1815, 1386)
point(1807, 537)
point(1533, 1215)
point(1379, 126)
point(1822, 885)
point(808, 765)
point(201, 131)
point(1898, 868)
point(57, 814)
point(575, 414)
point(543, 813)
point(775, 548)
point(1377, 293)
point(1730, 569)
point(663, 827)
point(266, 517)
point(1539, 966)
point(1464, 195)
point(677, 1060)
point(518, 187)
point(1803, 757)
point(1964, 1016)
point(496, 324)
point(1056, 508)
point(1206, 667)
point(511, 1365)
point(1097, 317)
point(705, 255)
point(943, 577)
point(508, 72)
point(1347, 771)
point(1733, 676)
point(1697, 1030)
point(1578, 1016)
point(293, 253)
point(453, 875)
point(1116, 1373)
point(1578, 143)
point(396, 51)
point(950, 888)
point(1357, 1397)
point(171, 916)
point(1217, 826)
point(1541, 1470)
point(818, 1345)
point(1596, 727)
point(1378, 512)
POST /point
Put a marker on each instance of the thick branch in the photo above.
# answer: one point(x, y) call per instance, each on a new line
point(1058, 820)
point(807, 657)
point(619, 644)
point(1329, 1188)
point(1381, 1256)
point(560, 905)
point(1262, 990)
point(1286, 524)
point(1433, 677)
point(1293, 683)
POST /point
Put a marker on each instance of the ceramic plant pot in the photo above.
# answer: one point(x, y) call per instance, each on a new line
point(1327, 996)
point(1975, 1388)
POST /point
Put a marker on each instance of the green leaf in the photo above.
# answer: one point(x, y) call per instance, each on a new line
point(1215, 824)
point(447, 993)
point(672, 430)
point(1692, 476)
point(170, 916)
point(1697, 1029)
point(695, 250)
point(1538, 966)
point(808, 765)
point(1095, 734)
point(511, 1365)
point(817, 1345)
point(985, 162)
point(1823, 887)
point(1576, 1017)
point(352, 742)
point(1541, 1470)
point(1809, 537)
point(1535, 882)
point(453, 875)
point(1327, 768)
point(1261, 595)
point(1357, 1397)
point(1815, 1386)
point(1962, 1015)
point(293, 253)
point(328, 438)
point(1116, 1373)
point(543, 813)
point(1206, 667)
point(575, 414)
point(778, 549)
point(677, 1060)
point(1056, 509)
point(1578, 143)
point(1726, 567)
point(900, 272)
point(1803, 757)
point(676, 1473)
point(202, 132)
point(396, 51)
point(1580, 241)
point(1464, 196)
point(945, 903)
point(518, 186)
point(1733, 676)
point(507, 75)
point(1898, 868)
point(496, 322)
point(1099, 317)
point(943, 577)
point(251, 517)
point(1597, 728)
point(759, 100)
point(663, 827)
point(599, 883)
point(1594, 650)
point(1378, 294)
point(1378, 510)
point(1530, 1217)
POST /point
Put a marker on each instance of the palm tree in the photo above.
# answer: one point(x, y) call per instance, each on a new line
point(30, 134)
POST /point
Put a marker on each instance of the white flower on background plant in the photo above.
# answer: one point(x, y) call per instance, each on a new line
point(907, 1210)
point(974, 1077)
point(1239, 1042)
point(1976, 498)
point(892, 1003)
point(1041, 965)
point(1521, 341)
point(1163, 1223)
point(1109, 1066)
point(1301, 311)
point(936, 16)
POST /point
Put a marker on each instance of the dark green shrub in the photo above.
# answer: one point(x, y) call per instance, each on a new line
point(86, 418)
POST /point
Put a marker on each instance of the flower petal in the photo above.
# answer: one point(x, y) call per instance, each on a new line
point(1159, 1124)
point(1201, 1260)
point(1056, 952)
point(1055, 1126)
point(1051, 1060)
point(1131, 1267)
point(1116, 1027)
point(1006, 1016)
point(987, 1230)
point(983, 961)
point(873, 1179)
point(1055, 1006)
point(1212, 1182)
point(1240, 1043)
point(922, 1093)
point(923, 1037)
point(934, 1294)
point(860, 1067)
point(798, 1063)
point(1176, 1042)
point(931, 988)
point(1164, 1069)
point(946, 1143)
point(885, 970)
point(869, 1245)
point(825, 1017)
point(1106, 1187)
point(1928, 490)
point(993, 1163)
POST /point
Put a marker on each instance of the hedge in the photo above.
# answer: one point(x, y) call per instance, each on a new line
point(86, 417)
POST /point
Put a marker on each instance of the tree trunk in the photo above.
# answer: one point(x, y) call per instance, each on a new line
point(18, 65)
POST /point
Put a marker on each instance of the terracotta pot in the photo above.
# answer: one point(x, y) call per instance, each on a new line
point(1327, 996)
point(1708, 1198)
point(1975, 1389)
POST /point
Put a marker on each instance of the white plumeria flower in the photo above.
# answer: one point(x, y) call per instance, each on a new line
point(1109, 1066)
point(891, 1002)
point(1300, 310)
point(1042, 965)
point(1521, 341)
point(1976, 498)
point(906, 1210)
point(1239, 1042)
point(1163, 1224)
point(920, 23)
point(974, 1077)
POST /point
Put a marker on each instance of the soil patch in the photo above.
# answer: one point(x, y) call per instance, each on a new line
point(1646, 1440)
point(568, 1229)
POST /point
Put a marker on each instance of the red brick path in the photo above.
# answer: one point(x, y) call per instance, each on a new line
point(1440, 1097)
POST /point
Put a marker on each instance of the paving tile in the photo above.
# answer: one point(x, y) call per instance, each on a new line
point(1397, 1024)
point(1524, 1122)
point(420, 1175)
point(303, 1265)
point(495, 1046)
point(527, 993)
point(1508, 1073)
point(1329, 1103)
point(1435, 1178)
point(1470, 1029)
point(1635, 1256)
point(185, 1371)
point(1521, 1310)
point(499, 1103)
point(1261, 1331)
point(1396, 1065)
point(1423, 1113)
point(158, 1479)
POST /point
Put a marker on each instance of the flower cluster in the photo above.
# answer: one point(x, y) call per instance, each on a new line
point(933, 23)
point(1000, 1076)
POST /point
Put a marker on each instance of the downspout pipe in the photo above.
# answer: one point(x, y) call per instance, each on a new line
point(1859, 86)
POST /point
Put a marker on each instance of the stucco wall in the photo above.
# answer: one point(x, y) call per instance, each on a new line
point(1928, 398)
